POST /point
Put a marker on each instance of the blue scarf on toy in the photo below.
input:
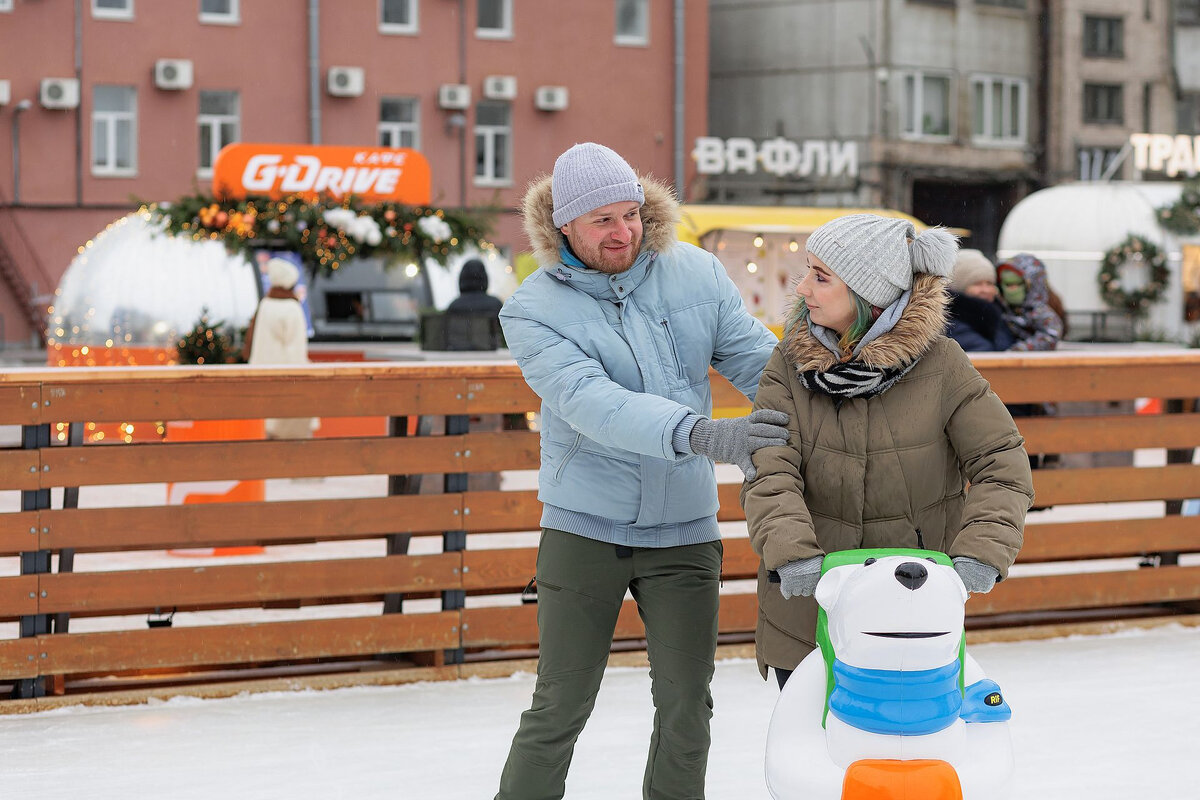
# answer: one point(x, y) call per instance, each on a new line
point(896, 702)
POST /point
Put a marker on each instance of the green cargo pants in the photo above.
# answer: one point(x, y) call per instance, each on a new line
point(581, 585)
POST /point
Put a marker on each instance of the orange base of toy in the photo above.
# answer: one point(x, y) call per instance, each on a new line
point(918, 779)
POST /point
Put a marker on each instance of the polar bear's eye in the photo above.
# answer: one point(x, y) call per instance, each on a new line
point(868, 562)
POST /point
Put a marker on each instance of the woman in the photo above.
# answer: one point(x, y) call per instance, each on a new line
point(889, 423)
point(976, 320)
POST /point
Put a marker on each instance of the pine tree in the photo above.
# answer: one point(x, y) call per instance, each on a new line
point(207, 343)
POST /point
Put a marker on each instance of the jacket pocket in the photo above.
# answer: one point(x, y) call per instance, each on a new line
point(567, 456)
point(673, 347)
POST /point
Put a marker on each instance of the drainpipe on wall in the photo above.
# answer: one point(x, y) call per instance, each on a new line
point(680, 72)
point(314, 73)
point(79, 108)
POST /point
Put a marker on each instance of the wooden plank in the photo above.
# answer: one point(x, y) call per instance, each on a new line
point(724, 395)
point(738, 613)
point(217, 393)
point(241, 584)
point(1089, 590)
point(212, 524)
point(18, 596)
point(20, 469)
point(20, 658)
point(501, 395)
point(498, 569)
point(492, 452)
point(503, 626)
point(1052, 380)
point(19, 532)
point(1108, 433)
point(1064, 541)
point(1115, 484)
point(731, 505)
point(162, 648)
point(740, 560)
point(20, 403)
point(487, 512)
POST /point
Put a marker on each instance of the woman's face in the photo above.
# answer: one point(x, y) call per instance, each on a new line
point(827, 297)
point(983, 290)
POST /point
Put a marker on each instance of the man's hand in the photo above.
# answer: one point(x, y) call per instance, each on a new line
point(731, 441)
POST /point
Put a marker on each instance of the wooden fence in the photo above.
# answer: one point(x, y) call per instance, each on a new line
point(432, 612)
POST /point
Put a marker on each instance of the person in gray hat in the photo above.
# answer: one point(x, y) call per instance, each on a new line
point(890, 423)
point(616, 333)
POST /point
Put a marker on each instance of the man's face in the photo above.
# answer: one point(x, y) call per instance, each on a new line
point(607, 239)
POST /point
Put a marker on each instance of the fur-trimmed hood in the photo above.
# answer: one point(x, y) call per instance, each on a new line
point(660, 216)
point(921, 323)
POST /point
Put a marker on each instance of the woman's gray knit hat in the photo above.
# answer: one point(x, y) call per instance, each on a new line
point(589, 176)
point(878, 256)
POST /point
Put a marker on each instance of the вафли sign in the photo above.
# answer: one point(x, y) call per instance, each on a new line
point(373, 174)
point(778, 156)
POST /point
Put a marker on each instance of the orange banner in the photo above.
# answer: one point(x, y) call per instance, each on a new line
point(278, 170)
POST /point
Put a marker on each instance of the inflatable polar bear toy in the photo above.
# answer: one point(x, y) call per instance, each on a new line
point(890, 706)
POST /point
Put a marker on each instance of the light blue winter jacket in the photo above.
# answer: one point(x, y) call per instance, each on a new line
point(620, 361)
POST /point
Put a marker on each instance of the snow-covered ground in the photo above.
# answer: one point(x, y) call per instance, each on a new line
point(1112, 717)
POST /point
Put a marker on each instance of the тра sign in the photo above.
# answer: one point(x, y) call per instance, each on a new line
point(1162, 152)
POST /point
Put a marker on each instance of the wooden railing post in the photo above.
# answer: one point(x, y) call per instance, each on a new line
point(33, 562)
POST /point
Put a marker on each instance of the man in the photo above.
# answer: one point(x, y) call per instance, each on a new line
point(616, 333)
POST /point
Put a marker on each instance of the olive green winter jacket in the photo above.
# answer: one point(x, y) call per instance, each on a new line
point(885, 471)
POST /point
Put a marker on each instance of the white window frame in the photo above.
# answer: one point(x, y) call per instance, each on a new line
point(505, 32)
point(1007, 84)
point(232, 17)
point(397, 28)
point(214, 122)
point(113, 13)
point(111, 120)
point(395, 130)
point(6, 5)
point(917, 111)
point(489, 133)
point(632, 40)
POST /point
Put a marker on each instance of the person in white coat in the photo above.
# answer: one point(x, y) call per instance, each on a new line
point(278, 334)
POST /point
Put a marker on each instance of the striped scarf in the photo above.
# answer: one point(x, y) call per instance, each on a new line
point(853, 379)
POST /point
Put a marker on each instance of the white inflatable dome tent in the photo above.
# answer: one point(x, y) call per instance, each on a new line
point(1071, 226)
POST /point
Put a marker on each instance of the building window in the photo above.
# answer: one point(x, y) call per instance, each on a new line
point(494, 19)
point(1103, 103)
point(6, 5)
point(112, 9)
point(219, 124)
point(493, 143)
point(1103, 37)
point(397, 16)
point(1005, 3)
point(1100, 163)
point(633, 22)
point(114, 130)
point(399, 122)
point(925, 105)
point(998, 109)
point(1187, 12)
point(219, 11)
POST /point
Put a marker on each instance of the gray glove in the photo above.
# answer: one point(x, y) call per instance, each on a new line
point(799, 578)
point(731, 441)
point(976, 576)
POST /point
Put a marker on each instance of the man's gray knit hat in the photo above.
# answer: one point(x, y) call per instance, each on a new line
point(589, 176)
point(878, 256)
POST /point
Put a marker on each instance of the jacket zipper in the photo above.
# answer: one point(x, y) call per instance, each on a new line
point(674, 349)
point(568, 456)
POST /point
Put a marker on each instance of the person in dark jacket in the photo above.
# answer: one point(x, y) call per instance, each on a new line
point(976, 320)
point(472, 292)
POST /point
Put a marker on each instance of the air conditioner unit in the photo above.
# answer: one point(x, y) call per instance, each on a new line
point(59, 93)
point(5, 92)
point(454, 95)
point(346, 81)
point(550, 98)
point(500, 87)
point(173, 73)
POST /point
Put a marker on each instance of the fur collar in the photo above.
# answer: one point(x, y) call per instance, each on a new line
point(921, 323)
point(660, 215)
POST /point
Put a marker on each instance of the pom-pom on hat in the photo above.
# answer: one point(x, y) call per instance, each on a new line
point(282, 274)
point(589, 176)
point(971, 267)
point(878, 256)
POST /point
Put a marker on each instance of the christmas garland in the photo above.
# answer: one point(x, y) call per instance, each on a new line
point(1142, 251)
point(326, 233)
point(1183, 216)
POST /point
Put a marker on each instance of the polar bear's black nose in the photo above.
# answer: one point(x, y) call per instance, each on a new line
point(911, 574)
